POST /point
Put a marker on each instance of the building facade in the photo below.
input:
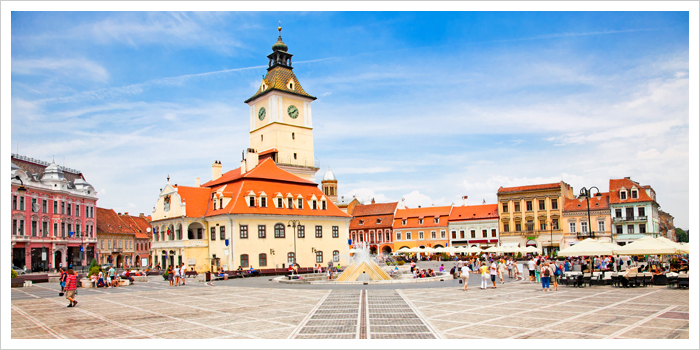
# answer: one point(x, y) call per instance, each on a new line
point(531, 215)
point(575, 219)
point(666, 227)
point(373, 224)
point(115, 239)
point(421, 227)
point(634, 210)
point(141, 227)
point(474, 225)
point(53, 217)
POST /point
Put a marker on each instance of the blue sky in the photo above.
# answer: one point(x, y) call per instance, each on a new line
point(427, 106)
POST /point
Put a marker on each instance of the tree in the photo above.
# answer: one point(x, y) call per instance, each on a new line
point(681, 235)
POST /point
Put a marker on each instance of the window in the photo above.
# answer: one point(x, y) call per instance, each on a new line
point(262, 259)
point(555, 204)
point(403, 222)
point(584, 227)
point(528, 205)
point(263, 202)
point(68, 209)
point(484, 233)
point(420, 234)
point(319, 256)
point(505, 207)
point(530, 225)
point(379, 221)
point(63, 207)
point(14, 227)
point(623, 194)
point(261, 231)
point(63, 229)
point(454, 234)
point(301, 231)
point(290, 258)
point(279, 202)
point(398, 236)
point(336, 256)
point(335, 232)
point(279, 230)
point(323, 205)
point(634, 194)
point(541, 202)
point(473, 233)
point(518, 227)
point(516, 206)
point(214, 204)
point(55, 207)
point(362, 222)
point(222, 233)
point(506, 228)
point(388, 236)
point(300, 203)
point(630, 228)
point(244, 260)
point(295, 156)
point(14, 202)
point(102, 244)
point(618, 213)
point(433, 234)
point(629, 212)
point(420, 221)
point(642, 228)
point(221, 203)
point(313, 204)
point(35, 207)
point(21, 203)
point(45, 229)
point(292, 136)
point(493, 232)
point(543, 226)
point(601, 226)
point(437, 220)
point(443, 234)
point(640, 211)
point(319, 231)
point(213, 233)
point(555, 224)
point(408, 235)
point(77, 209)
point(251, 201)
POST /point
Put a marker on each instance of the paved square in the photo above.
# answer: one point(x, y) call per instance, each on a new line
point(265, 310)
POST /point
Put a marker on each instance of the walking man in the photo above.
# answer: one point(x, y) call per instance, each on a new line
point(501, 270)
point(71, 286)
point(531, 268)
point(183, 271)
point(465, 271)
point(493, 270)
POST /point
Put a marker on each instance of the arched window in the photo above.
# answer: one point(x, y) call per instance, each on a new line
point(290, 258)
point(319, 256)
point(279, 230)
point(262, 259)
point(244, 260)
point(155, 234)
point(336, 256)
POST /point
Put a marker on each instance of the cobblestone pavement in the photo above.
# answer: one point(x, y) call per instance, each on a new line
point(516, 310)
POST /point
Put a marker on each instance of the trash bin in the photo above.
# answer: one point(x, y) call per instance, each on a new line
point(207, 276)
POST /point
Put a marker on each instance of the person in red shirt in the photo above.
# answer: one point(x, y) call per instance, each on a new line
point(71, 286)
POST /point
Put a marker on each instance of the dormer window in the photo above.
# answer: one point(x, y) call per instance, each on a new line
point(323, 205)
point(437, 220)
point(403, 222)
point(420, 221)
point(300, 203)
point(263, 202)
point(313, 203)
point(251, 201)
point(362, 222)
point(263, 86)
point(290, 84)
point(635, 194)
point(623, 194)
point(215, 204)
point(379, 221)
point(221, 203)
point(279, 202)
point(290, 203)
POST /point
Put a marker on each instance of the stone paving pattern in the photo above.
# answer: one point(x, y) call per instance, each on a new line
point(515, 310)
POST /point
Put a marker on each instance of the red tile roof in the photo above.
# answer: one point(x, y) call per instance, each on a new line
point(109, 222)
point(138, 224)
point(616, 184)
point(34, 168)
point(268, 151)
point(375, 209)
point(474, 212)
point(530, 187)
point(412, 217)
point(596, 203)
point(196, 199)
point(267, 169)
point(370, 222)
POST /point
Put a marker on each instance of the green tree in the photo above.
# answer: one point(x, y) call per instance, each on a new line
point(14, 274)
point(681, 236)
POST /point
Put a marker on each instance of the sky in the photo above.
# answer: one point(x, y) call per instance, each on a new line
point(425, 106)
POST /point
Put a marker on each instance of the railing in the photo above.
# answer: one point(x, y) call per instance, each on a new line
point(117, 250)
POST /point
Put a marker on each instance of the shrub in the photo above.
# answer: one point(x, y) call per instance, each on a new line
point(520, 255)
point(94, 270)
point(14, 274)
point(401, 262)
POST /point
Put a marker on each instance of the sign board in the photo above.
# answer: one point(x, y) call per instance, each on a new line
point(144, 261)
point(191, 261)
point(349, 241)
point(82, 249)
point(43, 256)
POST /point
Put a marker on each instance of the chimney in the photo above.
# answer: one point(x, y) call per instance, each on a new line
point(251, 159)
point(627, 178)
point(126, 213)
point(216, 170)
point(464, 200)
point(402, 204)
point(419, 206)
point(196, 182)
point(372, 200)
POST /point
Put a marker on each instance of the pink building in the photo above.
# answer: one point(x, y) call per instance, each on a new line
point(53, 215)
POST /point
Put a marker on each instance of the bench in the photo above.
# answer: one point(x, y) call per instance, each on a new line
point(16, 282)
point(191, 274)
point(153, 273)
point(124, 282)
point(36, 278)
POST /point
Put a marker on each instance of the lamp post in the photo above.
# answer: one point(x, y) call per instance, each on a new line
point(586, 192)
point(294, 224)
point(21, 189)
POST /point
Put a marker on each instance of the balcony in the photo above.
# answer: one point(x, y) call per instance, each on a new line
point(116, 250)
point(629, 219)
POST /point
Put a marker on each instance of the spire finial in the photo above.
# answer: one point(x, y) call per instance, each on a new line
point(279, 28)
point(168, 178)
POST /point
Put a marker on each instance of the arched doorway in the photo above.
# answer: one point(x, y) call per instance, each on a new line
point(119, 260)
point(195, 230)
point(137, 261)
point(386, 250)
point(373, 250)
point(437, 246)
point(171, 258)
point(57, 258)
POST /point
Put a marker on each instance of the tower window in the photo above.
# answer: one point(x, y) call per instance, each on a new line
point(295, 156)
point(292, 136)
point(261, 138)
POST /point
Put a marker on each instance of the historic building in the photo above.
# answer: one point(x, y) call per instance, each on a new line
point(53, 215)
point(575, 219)
point(474, 225)
point(531, 215)
point(372, 223)
point(268, 212)
point(115, 239)
point(329, 185)
point(141, 227)
point(666, 227)
point(634, 210)
point(421, 227)
point(347, 205)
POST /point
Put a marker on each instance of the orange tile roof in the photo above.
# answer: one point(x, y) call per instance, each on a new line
point(196, 199)
point(370, 222)
point(474, 212)
point(576, 204)
point(138, 224)
point(375, 209)
point(428, 215)
point(616, 184)
point(276, 79)
point(530, 187)
point(268, 151)
point(108, 222)
point(267, 169)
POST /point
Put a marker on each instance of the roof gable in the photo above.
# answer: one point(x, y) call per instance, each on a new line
point(375, 209)
point(473, 212)
point(530, 188)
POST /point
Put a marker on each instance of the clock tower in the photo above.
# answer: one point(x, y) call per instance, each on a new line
point(280, 116)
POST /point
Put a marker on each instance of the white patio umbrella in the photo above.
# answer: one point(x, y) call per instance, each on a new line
point(530, 249)
point(685, 248)
point(415, 250)
point(646, 246)
point(403, 250)
point(475, 250)
point(440, 250)
point(450, 250)
point(587, 247)
point(494, 249)
point(428, 250)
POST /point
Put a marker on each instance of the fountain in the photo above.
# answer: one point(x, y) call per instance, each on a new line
point(363, 267)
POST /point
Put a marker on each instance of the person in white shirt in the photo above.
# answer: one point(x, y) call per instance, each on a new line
point(493, 271)
point(183, 270)
point(501, 270)
point(531, 265)
point(176, 271)
point(465, 270)
point(509, 266)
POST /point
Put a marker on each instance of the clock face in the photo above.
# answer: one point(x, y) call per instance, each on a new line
point(293, 111)
point(261, 113)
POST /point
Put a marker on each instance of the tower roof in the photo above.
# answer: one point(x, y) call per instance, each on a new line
point(329, 176)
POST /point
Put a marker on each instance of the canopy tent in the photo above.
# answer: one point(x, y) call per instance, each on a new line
point(646, 246)
point(529, 250)
point(428, 250)
point(415, 250)
point(588, 247)
point(510, 249)
point(680, 248)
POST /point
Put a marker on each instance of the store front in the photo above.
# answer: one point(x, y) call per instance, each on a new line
point(18, 258)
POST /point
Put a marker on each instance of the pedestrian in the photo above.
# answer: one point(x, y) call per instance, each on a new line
point(176, 270)
point(465, 270)
point(502, 270)
point(71, 286)
point(516, 272)
point(493, 271)
point(62, 279)
point(484, 275)
point(556, 271)
point(183, 272)
point(538, 270)
point(509, 265)
point(545, 275)
point(112, 273)
point(100, 280)
point(442, 268)
point(460, 263)
point(413, 265)
point(170, 275)
point(531, 266)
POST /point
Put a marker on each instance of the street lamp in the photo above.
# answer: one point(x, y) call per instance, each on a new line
point(586, 193)
point(21, 189)
point(294, 224)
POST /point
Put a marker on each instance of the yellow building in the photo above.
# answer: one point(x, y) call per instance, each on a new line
point(532, 215)
point(268, 213)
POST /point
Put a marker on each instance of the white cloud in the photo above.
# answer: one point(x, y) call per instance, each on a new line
point(365, 195)
point(75, 68)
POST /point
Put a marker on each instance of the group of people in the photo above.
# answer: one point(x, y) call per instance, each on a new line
point(176, 275)
point(547, 272)
point(493, 269)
